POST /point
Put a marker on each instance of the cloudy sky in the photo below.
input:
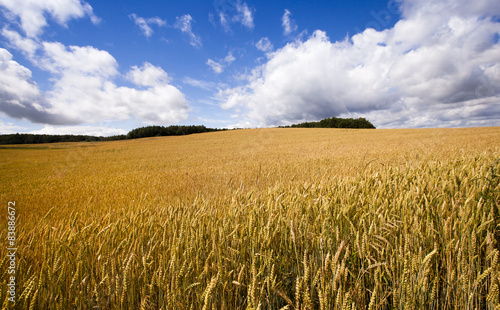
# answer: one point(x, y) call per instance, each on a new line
point(106, 67)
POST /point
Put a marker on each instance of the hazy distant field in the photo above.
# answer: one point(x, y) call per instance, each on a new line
point(258, 218)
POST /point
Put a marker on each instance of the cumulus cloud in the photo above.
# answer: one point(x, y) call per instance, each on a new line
point(84, 90)
point(184, 24)
point(83, 85)
point(221, 64)
point(158, 105)
point(77, 60)
point(32, 14)
point(429, 69)
point(145, 23)
point(20, 97)
point(27, 46)
point(160, 102)
point(448, 9)
point(148, 75)
point(264, 45)
point(288, 24)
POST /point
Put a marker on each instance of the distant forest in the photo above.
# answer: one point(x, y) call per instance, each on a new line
point(27, 138)
point(155, 131)
point(335, 122)
point(143, 132)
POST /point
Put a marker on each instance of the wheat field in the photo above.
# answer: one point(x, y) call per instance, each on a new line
point(283, 218)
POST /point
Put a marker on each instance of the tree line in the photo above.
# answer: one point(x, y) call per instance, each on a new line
point(142, 132)
point(174, 130)
point(155, 131)
point(27, 138)
point(335, 122)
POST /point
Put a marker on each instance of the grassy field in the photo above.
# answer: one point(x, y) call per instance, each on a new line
point(257, 219)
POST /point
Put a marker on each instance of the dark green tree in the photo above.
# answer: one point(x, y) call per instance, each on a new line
point(336, 122)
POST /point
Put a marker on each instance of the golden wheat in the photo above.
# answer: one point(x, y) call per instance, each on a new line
point(261, 218)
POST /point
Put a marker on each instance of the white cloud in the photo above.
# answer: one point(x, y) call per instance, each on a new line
point(145, 23)
point(224, 22)
point(429, 69)
point(288, 24)
point(206, 85)
point(162, 104)
point(216, 66)
point(9, 128)
point(20, 97)
point(71, 60)
point(148, 75)
point(448, 8)
point(244, 15)
point(98, 131)
point(184, 24)
point(84, 91)
point(264, 45)
point(26, 45)
point(84, 88)
point(33, 14)
point(233, 12)
point(219, 66)
point(229, 58)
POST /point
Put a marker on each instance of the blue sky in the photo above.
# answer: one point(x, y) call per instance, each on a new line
point(106, 67)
